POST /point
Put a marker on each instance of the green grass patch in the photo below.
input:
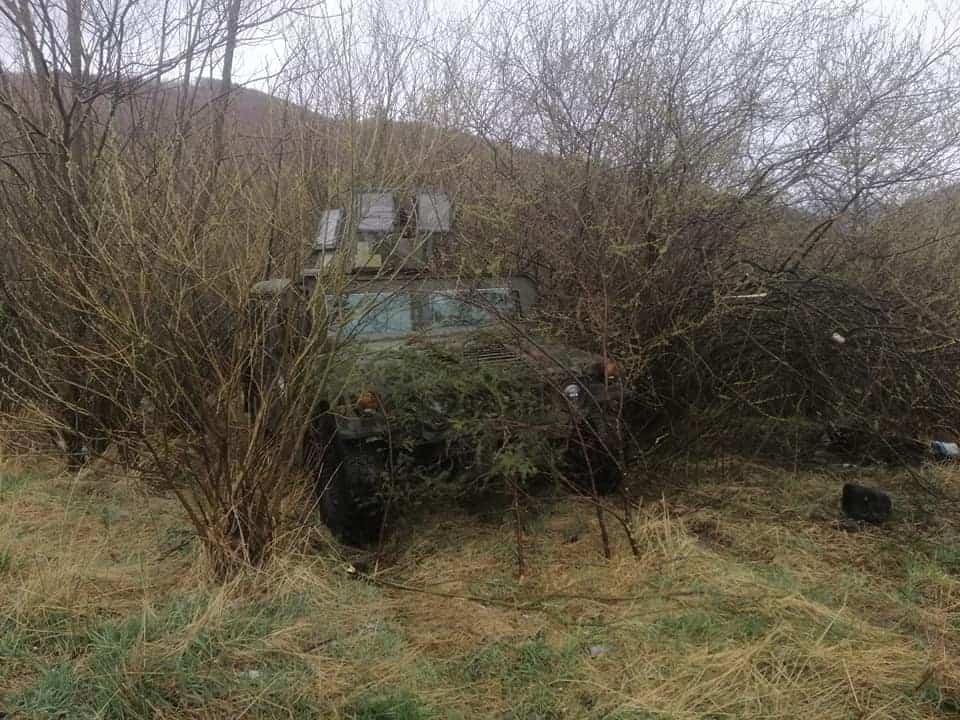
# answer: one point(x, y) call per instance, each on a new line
point(6, 561)
point(536, 675)
point(690, 626)
point(538, 703)
point(921, 572)
point(178, 540)
point(49, 632)
point(778, 577)
point(53, 695)
point(629, 714)
point(701, 626)
point(947, 554)
point(517, 665)
point(946, 704)
point(108, 515)
point(533, 672)
point(536, 659)
point(485, 663)
point(374, 639)
point(165, 659)
point(11, 483)
point(389, 705)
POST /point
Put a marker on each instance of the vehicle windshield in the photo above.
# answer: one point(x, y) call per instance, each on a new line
point(401, 313)
point(377, 314)
point(452, 309)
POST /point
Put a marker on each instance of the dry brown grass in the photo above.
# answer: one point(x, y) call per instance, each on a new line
point(747, 602)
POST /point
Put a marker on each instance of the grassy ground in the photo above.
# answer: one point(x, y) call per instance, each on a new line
point(748, 602)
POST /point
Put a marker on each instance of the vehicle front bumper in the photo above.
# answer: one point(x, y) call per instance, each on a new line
point(595, 414)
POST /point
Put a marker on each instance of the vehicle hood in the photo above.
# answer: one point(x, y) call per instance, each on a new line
point(488, 347)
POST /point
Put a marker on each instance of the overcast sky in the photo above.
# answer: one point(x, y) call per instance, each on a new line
point(257, 59)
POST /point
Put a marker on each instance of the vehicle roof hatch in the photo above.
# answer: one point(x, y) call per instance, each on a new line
point(434, 212)
point(330, 230)
point(377, 212)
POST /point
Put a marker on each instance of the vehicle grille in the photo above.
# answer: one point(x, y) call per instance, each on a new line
point(492, 354)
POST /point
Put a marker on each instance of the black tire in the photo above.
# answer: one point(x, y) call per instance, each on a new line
point(319, 443)
point(593, 468)
point(350, 503)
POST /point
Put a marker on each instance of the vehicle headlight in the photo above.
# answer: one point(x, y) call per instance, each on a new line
point(611, 370)
point(607, 370)
point(572, 392)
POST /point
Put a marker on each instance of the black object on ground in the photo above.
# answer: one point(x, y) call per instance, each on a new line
point(867, 504)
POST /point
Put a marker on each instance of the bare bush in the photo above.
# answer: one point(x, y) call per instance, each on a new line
point(671, 157)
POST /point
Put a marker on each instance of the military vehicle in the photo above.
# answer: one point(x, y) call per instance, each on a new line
point(392, 302)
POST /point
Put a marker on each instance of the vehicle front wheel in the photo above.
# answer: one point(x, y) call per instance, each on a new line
point(349, 483)
point(594, 469)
